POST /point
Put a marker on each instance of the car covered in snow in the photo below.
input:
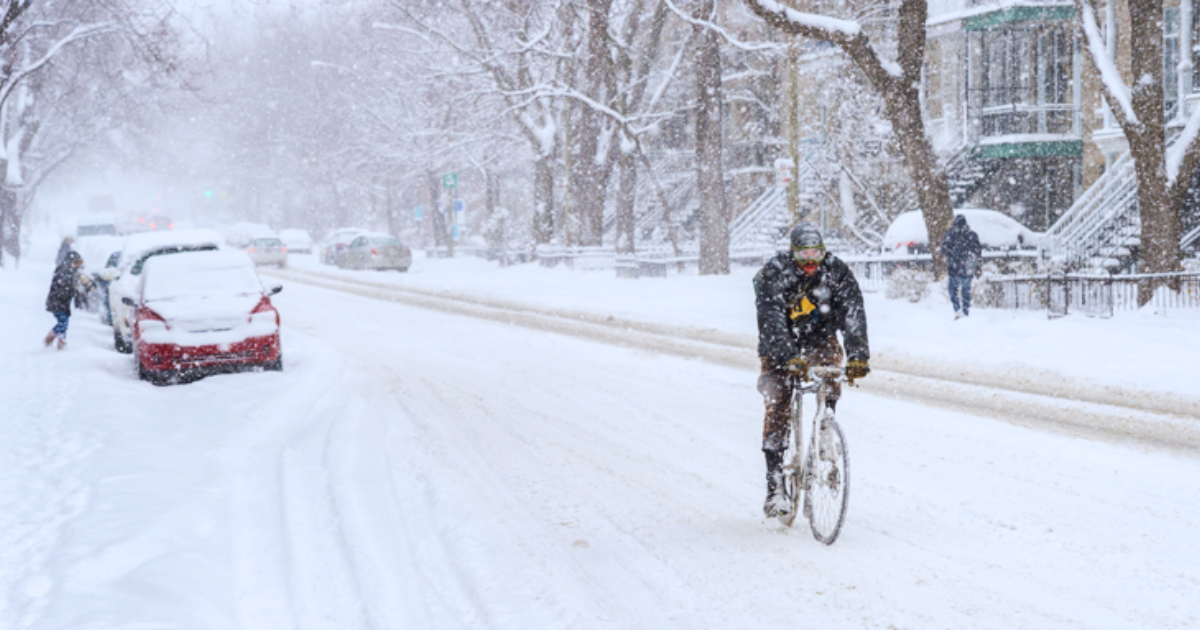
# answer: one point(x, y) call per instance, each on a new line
point(123, 279)
point(997, 231)
point(242, 233)
point(333, 246)
point(296, 241)
point(376, 250)
point(201, 312)
point(268, 251)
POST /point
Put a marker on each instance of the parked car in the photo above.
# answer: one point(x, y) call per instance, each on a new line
point(124, 278)
point(375, 250)
point(97, 224)
point(242, 233)
point(202, 312)
point(268, 251)
point(333, 246)
point(296, 241)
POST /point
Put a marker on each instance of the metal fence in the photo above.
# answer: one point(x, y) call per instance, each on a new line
point(1097, 296)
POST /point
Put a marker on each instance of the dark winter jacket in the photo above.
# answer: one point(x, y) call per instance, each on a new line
point(961, 249)
point(62, 288)
point(796, 311)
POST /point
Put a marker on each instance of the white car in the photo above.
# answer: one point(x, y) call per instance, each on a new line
point(123, 279)
point(296, 241)
point(268, 251)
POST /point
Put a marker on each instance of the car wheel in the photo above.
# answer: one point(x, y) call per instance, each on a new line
point(274, 366)
point(403, 270)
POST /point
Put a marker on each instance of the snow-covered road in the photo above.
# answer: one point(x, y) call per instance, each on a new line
point(413, 468)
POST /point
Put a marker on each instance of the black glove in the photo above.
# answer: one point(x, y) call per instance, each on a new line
point(797, 365)
point(855, 369)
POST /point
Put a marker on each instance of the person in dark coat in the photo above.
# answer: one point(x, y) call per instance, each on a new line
point(963, 257)
point(63, 250)
point(804, 297)
point(62, 293)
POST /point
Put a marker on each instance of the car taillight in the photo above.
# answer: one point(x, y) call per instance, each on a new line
point(153, 226)
point(170, 226)
point(250, 250)
point(264, 311)
point(373, 252)
point(408, 252)
point(148, 320)
point(149, 314)
point(283, 249)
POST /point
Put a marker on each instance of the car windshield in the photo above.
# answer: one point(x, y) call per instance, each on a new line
point(201, 281)
point(387, 242)
point(96, 230)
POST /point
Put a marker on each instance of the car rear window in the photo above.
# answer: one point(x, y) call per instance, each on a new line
point(387, 242)
point(267, 242)
point(96, 230)
point(200, 281)
point(137, 267)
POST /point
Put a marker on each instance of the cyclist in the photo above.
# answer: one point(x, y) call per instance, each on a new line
point(804, 297)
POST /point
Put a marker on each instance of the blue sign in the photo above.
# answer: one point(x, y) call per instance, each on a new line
point(459, 206)
point(454, 232)
point(419, 212)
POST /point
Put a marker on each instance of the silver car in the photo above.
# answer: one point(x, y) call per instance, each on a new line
point(268, 251)
point(377, 251)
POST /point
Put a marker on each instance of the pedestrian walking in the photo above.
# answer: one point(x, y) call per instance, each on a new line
point(963, 258)
point(62, 293)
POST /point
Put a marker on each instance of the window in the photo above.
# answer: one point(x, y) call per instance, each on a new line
point(1026, 79)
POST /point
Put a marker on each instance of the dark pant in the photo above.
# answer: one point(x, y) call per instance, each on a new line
point(60, 328)
point(777, 393)
point(965, 283)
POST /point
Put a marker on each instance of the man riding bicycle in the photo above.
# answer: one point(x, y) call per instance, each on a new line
point(804, 297)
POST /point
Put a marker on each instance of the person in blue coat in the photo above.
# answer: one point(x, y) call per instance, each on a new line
point(963, 257)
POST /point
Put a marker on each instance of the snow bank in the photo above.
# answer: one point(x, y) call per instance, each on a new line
point(995, 230)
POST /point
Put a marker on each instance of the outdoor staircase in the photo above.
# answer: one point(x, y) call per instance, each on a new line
point(1102, 229)
point(964, 173)
point(763, 226)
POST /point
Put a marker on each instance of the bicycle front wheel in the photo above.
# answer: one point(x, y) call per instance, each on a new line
point(828, 488)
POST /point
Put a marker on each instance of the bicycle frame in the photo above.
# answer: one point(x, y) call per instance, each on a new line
point(799, 465)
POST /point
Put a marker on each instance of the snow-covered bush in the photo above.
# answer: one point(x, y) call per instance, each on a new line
point(908, 284)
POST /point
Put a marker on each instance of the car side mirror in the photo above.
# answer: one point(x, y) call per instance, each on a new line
point(128, 301)
point(275, 289)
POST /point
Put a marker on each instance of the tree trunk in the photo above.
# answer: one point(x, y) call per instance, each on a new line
point(626, 201)
point(587, 182)
point(710, 175)
point(435, 210)
point(543, 200)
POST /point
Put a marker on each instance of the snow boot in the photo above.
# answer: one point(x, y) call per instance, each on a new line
point(50, 339)
point(777, 504)
point(62, 343)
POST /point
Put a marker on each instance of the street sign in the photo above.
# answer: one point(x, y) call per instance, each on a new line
point(419, 212)
point(450, 180)
point(454, 232)
point(459, 206)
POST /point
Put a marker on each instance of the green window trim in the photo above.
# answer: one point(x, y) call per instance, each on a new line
point(1051, 148)
point(1018, 14)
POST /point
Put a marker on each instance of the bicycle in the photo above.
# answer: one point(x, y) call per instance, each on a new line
point(822, 472)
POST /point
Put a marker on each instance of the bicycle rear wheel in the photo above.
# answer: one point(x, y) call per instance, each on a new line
point(827, 492)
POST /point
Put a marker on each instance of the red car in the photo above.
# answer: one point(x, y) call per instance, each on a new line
point(199, 313)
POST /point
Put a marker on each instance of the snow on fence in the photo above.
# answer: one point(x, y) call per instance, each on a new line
point(1096, 296)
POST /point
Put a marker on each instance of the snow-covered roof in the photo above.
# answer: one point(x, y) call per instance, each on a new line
point(995, 230)
point(138, 244)
point(244, 232)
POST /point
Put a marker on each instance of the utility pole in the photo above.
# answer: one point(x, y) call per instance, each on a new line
point(793, 131)
point(450, 183)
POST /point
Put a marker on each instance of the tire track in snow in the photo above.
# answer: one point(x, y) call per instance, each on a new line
point(1029, 398)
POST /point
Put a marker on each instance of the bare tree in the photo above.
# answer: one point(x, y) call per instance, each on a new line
point(1163, 172)
point(898, 83)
